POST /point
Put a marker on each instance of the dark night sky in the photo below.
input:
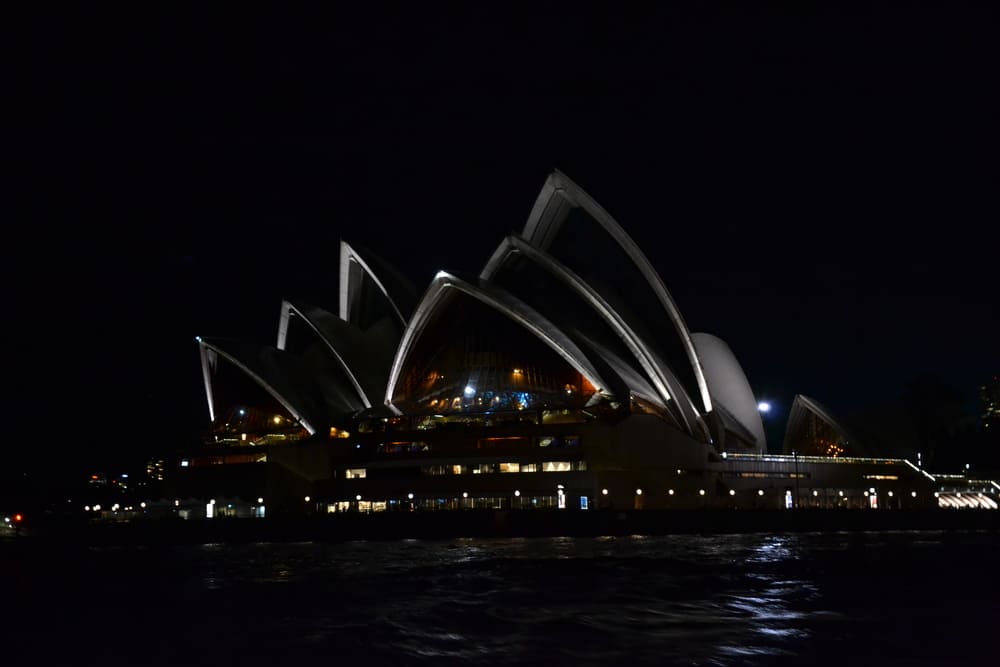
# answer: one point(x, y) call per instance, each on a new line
point(818, 187)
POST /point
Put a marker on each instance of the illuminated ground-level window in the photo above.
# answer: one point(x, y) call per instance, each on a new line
point(504, 467)
point(355, 473)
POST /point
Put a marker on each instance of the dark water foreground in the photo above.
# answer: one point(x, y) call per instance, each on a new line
point(838, 598)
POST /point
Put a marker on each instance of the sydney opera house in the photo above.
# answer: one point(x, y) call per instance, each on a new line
point(563, 375)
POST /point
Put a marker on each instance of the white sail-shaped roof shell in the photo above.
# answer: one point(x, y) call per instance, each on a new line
point(363, 356)
point(355, 271)
point(268, 367)
point(658, 374)
point(435, 298)
point(558, 196)
point(802, 407)
point(729, 385)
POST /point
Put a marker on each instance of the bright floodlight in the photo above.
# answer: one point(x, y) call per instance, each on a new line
point(764, 406)
point(470, 390)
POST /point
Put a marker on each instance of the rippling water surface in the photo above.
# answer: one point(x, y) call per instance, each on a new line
point(900, 598)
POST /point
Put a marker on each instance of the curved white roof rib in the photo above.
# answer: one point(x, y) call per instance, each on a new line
point(635, 383)
point(505, 303)
point(279, 385)
point(665, 383)
point(351, 347)
point(728, 384)
point(353, 269)
point(558, 195)
point(209, 361)
point(801, 407)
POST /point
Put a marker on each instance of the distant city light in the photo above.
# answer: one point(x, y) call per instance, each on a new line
point(517, 494)
point(764, 406)
point(638, 492)
point(604, 492)
point(469, 390)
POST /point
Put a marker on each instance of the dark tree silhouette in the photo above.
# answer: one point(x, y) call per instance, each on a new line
point(939, 414)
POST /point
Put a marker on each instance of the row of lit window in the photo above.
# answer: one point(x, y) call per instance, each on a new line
point(417, 447)
point(772, 475)
point(490, 468)
point(488, 418)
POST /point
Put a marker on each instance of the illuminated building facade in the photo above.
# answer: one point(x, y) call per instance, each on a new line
point(563, 375)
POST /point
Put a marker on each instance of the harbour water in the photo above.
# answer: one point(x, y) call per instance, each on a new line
point(833, 598)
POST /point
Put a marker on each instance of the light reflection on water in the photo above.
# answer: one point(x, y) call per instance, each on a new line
point(698, 600)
